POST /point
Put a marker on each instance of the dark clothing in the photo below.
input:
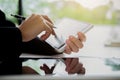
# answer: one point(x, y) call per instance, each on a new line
point(10, 43)
point(11, 47)
point(37, 46)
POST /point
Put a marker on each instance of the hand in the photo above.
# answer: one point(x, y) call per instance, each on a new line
point(34, 25)
point(74, 44)
point(74, 66)
point(46, 69)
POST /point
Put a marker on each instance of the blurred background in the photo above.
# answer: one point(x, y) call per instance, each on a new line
point(95, 11)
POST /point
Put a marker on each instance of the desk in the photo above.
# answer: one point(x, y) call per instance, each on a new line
point(80, 77)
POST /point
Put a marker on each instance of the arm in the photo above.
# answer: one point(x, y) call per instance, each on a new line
point(10, 44)
point(38, 46)
point(10, 41)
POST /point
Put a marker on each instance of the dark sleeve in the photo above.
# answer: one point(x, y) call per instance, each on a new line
point(36, 46)
point(10, 47)
point(10, 42)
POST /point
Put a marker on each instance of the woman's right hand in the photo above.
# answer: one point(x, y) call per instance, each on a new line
point(34, 25)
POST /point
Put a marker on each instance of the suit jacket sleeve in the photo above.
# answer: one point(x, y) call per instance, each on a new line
point(10, 42)
point(36, 46)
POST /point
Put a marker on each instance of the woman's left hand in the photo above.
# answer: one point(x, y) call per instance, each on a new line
point(74, 44)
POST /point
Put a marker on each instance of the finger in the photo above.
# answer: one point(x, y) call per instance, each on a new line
point(67, 63)
point(75, 69)
point(35, 17)
point(76, 41)
point(30, 18)
point(72, 46)
point(52, 68)
point(47, 18)
point(45, 36)
point(48, 31)
point(67, 49)
point(82, 71)
point(74, 62)
point(51, 27)
point(44, 67)
point(81, 36)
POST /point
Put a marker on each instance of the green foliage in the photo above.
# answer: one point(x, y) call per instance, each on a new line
point(96, 16)
point(59, 9)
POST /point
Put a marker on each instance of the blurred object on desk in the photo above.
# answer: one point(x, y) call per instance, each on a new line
point(114, 63)
point(114, 37)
